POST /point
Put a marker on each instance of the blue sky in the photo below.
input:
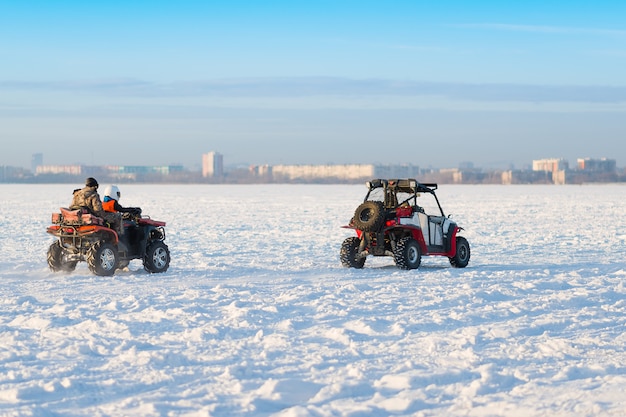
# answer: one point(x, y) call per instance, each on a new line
point(432, 83)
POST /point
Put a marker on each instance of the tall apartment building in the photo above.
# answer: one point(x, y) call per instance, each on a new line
point(36, 160)
point(212, 164)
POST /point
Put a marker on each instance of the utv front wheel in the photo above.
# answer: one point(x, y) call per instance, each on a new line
point(56, 260)
point(349, 251)
point(157, 257)
point(102, 259)
point(462, 255)
point(407, 254)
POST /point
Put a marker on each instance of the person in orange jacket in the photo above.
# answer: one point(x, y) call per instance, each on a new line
point(111, 202)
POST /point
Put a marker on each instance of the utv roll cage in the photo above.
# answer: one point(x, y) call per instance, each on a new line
point(392, 187)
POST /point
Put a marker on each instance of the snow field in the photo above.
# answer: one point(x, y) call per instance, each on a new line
point(256, 316)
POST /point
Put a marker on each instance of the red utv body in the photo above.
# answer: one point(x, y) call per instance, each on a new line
point(390, 222)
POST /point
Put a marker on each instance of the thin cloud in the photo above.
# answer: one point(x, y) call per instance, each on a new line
point(542, 29)
point(303, 87)
point(110, 86)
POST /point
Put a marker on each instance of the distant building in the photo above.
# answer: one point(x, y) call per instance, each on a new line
point(556, 168)
point(261, 171)
point(108, 172)
point(212, 164)
point(396, 171)
point(466, 176)
point(550, 165)
point(58, 169)
point(597, 165)
point(36, 160)
point(133, 172)
point(587, 170)
point(322, 172)
point(341, 172)
point(11, 173)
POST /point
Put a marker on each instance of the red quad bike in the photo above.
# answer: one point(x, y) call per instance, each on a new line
point(390, 223)
point(85, 237)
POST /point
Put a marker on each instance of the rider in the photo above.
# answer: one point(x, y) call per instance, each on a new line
point(111, 202)
point(89, 199)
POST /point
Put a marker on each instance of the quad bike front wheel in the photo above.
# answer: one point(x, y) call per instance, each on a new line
point(349, 251)
point(57, 261)
point(407, 254)
point(102, 258)
point(462, 256)
point(157, 257)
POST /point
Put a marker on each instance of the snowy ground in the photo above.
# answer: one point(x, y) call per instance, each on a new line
point(256, 316)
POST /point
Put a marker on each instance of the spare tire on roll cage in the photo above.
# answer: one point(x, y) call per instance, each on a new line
point(369, 216)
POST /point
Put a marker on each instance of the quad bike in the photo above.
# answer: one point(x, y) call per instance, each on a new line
point(81, 236)
point(389, 222)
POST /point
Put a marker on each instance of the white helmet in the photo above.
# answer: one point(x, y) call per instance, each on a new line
point(113, 192)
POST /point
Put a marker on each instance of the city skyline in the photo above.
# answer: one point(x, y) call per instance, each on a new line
point(213, 164)
point(329, 82)
point(547, 170)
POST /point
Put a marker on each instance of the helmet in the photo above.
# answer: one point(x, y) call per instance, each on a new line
point(113, 192)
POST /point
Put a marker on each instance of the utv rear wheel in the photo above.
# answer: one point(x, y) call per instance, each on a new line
point(157, 257)
point(349, 251)
point(462, 255)
point(102, 258)
point(407, 254)
point(369, 216)
point(56, 260)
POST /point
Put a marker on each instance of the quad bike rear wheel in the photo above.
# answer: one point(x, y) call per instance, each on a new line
point(349, 250)
point(462, 256)
point(369, 216)
point(56, 260)
point(157, 257)
point(102, 258)
point(407, 254)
